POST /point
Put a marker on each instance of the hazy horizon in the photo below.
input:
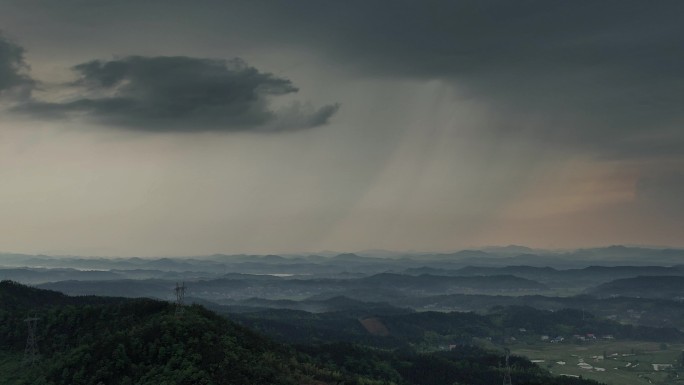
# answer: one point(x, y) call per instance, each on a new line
point(491, 249)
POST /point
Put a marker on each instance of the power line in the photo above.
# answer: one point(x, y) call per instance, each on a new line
point(507, 373)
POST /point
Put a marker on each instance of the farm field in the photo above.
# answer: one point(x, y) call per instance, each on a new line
point(626, 362)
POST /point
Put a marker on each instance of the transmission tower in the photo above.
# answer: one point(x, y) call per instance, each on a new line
point(507, 372)
point(180, 297)
point(31, 355)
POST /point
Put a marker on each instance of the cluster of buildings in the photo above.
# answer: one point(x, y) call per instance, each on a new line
point(577, 337)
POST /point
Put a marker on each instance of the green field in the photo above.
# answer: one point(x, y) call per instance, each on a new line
point(626, 362)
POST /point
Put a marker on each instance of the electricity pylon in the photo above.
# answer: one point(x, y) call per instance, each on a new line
point(180, 298)
point(31, 355)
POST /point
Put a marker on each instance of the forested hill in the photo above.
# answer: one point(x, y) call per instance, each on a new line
point(666, 287)
point(139, 342)
point(17, 297)
point(93, 341)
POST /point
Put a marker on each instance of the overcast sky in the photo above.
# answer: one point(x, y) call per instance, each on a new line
point(173, 127)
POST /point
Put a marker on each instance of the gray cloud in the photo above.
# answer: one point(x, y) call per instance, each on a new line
point(181, 94)
point(13, 67)
point(585, 74)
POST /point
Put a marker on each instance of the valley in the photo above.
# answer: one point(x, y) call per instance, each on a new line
point(569, 320)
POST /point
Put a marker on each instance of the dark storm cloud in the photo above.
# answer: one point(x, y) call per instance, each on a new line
point(597, 76)
point(181, 94)
point(13, 67)
point(593, 75)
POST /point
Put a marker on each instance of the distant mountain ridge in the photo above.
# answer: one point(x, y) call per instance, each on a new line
point(242, 287)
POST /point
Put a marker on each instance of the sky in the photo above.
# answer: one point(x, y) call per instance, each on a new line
point(164, 128)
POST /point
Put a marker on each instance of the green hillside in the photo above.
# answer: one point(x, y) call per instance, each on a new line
point(138, 342)
point(93, 341)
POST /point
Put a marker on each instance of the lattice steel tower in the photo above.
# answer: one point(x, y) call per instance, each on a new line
point(31, 355)
point(180, 298)
point(507, 372)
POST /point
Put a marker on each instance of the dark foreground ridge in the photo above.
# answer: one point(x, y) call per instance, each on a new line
point(93, 340)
